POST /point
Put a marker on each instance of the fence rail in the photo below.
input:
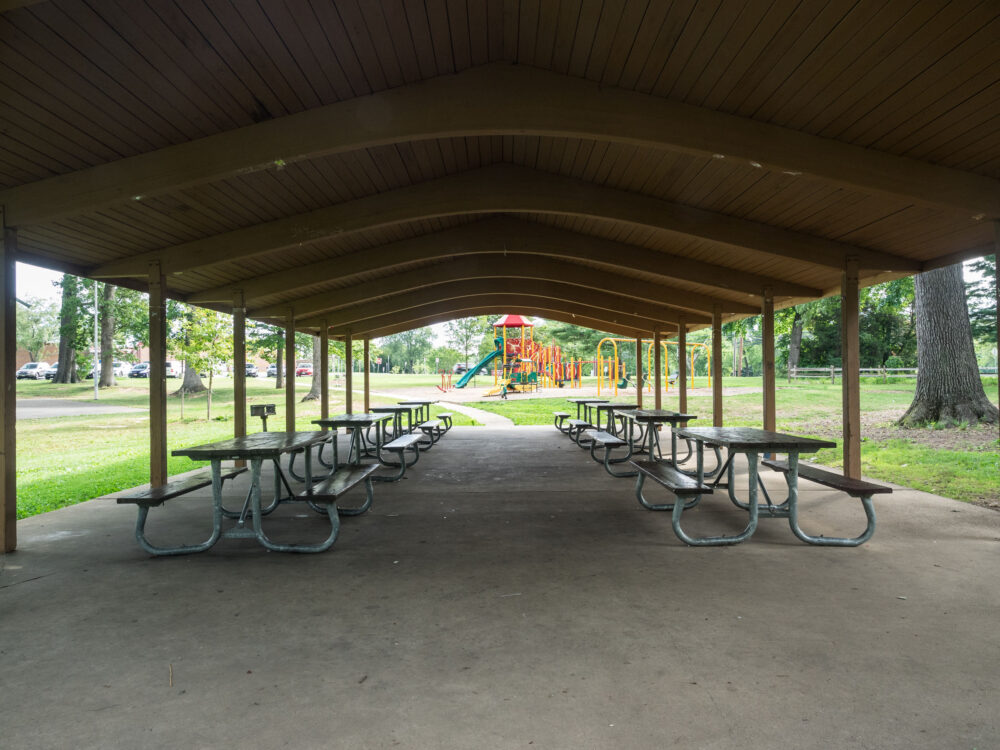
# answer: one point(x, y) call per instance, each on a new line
point(885, 373)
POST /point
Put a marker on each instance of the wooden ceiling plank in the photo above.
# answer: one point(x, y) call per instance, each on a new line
point(514, 101)
point(478, 31)
point(585, 282)
point(725, 34)
point(370, 36)
point(437, 22)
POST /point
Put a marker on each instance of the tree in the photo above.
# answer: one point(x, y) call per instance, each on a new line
point(315, 391)
point(70, 339)
point(267, 342)
point(949, 389)
point(444, 358)
point(465, 334)
point(208, 342)
point(107, 318)
point(983, 300)
point(37, 325)
point(405, 350)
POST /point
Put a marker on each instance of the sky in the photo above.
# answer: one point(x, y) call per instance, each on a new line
point(33, 281)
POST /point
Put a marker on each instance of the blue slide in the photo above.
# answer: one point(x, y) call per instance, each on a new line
point(472, 371)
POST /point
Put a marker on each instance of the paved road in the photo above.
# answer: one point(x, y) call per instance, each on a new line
point(43, 408)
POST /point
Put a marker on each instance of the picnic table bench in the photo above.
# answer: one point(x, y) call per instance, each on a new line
point(603, 439)
point(673, 479)
point(330, 489)
point(432, 430)
point(560, 417)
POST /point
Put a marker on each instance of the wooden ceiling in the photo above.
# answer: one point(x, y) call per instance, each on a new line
point(381, 164)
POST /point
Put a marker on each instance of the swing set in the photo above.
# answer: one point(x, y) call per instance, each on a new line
point(612, 372)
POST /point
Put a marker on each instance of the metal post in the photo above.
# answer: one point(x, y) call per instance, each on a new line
point(717, 365)
point(638, 370)
point(767, 345)
point(682, 367)
point(850, 362)
point(657, 376)
point(348, 374)
point(368, 367)
point(8, 394)
point(157, 377)
point(290, 371)
point(324, 373)
point(239, 366)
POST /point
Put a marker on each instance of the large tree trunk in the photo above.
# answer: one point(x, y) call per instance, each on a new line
point(107, 336)
point(314, 390)
point(67, 333)
point(795, 342)
point(949, 389)
point(279, 380)
point(191, 383)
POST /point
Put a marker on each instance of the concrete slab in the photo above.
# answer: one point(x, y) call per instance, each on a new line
point(508, 593)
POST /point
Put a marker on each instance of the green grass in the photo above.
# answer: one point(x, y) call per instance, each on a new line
point(66, 460)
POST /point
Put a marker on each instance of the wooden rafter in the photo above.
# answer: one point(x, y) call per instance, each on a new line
point(502, 272)
point(514, 236)
point(502, 188)
point(499, 99)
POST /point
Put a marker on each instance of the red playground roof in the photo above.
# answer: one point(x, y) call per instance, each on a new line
point(513, 321)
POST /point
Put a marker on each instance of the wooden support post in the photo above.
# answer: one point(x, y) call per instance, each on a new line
point(996, 291)
point(717, 366)
point(368, 367)
point(348, 379)
point(850, 362)
point(8, 397)
point(239, 366)
point(682, 367)
point(157, 377)
point(638, 370)
point(657, 372)
point(324, 372)
point(767, 346)
point(290, 371)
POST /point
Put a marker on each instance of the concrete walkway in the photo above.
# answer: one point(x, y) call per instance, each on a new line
point(44, 408)
point(485, 418)
point(507, 594)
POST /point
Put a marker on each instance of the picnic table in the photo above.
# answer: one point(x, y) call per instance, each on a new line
point(649, 419)
point(255, 449)
point(751, 442)
point(422, 407)
point(585, 403)
point(610, 408)
point(397, 412)
point(358, 424)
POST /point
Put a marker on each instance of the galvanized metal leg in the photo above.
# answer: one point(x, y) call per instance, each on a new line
point(186, 549)
point(791, 478)
point(369, 495)
point(557, 421)
point(706, 541)
point(258, 531)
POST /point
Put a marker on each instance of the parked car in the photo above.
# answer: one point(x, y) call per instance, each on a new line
point(272, 371)
point(303, 369)
point(140, 370)
point(121, 369)
point(33, 371)
point(51, 372)
point(252, 371)
point(459, 368)
point(173, 369)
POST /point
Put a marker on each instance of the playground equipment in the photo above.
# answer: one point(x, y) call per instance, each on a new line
point(521, 364)
point(613, 372)
point(445, 387)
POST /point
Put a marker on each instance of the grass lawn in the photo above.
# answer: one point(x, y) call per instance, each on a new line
point(65, 460)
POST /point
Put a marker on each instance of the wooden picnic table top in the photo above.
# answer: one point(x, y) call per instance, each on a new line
point(259, 444)
point(395, 409)
point(346, 420)
point(744, 438)
point(587, 400)
point(420, 402)
point(658, 415)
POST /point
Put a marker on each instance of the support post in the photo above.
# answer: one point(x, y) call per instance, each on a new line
point(8, 398)
point(682, 367)
point(324, 372)
point(717, 365)
point(239, 367)
point(996, 291)
point(368, 367)
point(290, 371)
point(657, 372)
point(157, 377)
point(348, 379)
point(850, 362)
point(638, 370)
point(767, 346)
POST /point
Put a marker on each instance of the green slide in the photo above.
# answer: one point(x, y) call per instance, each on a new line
point(472, 371)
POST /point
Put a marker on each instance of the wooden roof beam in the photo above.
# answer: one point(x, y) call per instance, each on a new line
point(581, 281)
point(503, 188)
point(499, 99)
point(514, 236)
point(612, 306)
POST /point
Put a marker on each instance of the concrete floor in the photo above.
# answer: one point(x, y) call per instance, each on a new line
point(507, 594)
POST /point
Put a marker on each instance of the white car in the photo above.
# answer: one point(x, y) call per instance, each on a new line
point(33, 371)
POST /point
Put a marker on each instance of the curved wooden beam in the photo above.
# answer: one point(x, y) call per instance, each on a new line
point(513, 236)
point(502, 272)
point(499, 99)
point(611, 305)
point(501, 188)
point(411, 309)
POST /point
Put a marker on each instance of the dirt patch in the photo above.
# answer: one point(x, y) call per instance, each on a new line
point(881, 426)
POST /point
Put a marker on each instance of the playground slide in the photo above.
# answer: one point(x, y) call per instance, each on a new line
point(472, 371)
